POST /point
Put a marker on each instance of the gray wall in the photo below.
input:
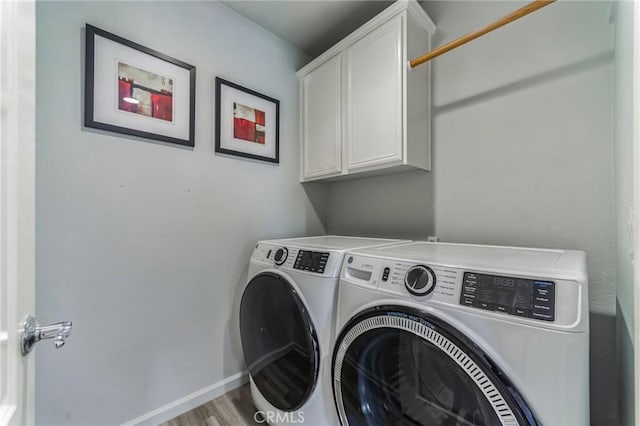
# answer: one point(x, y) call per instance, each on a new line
point(145, 245)
point(523, 152)
point(394, 206)
point(623, 108)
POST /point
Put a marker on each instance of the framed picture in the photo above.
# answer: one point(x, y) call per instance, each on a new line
point(247, 122)
point(137, 91)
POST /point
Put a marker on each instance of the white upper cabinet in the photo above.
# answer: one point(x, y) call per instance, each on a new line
point(322, 115)
point(362, 108)
point(374, 97)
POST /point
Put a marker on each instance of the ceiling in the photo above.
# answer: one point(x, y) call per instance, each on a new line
point(312, 26)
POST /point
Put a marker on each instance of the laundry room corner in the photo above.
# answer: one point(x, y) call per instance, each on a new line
point(523, 153)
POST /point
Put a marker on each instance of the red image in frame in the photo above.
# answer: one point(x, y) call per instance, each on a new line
point(144, 92)
point(249, 124)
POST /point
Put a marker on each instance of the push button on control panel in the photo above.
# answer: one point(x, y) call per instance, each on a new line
point(543, 300)
point(469, 289)
point(385, 274)
point(521, 312)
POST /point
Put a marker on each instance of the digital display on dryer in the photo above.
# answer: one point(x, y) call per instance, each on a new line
point(312, 261)
point(511, 295)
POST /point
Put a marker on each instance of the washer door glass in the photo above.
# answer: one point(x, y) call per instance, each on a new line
point(279, 341)
point(396, 366)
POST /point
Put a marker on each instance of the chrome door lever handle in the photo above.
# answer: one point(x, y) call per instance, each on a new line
point(32, 333)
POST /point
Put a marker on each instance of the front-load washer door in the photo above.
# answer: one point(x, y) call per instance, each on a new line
point(395, 365)
point(279, 341)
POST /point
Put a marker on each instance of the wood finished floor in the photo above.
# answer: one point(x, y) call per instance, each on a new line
point(234, 408)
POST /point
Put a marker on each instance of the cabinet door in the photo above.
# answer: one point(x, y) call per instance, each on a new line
point(322, 120)
point(374, 97)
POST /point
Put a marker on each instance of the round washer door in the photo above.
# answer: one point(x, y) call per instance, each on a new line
point(395, 365)
point(279, 341)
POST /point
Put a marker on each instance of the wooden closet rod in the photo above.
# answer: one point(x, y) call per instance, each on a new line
point(519, 13)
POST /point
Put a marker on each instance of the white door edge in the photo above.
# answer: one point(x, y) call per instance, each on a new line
point(636, 205)
point(17, 206)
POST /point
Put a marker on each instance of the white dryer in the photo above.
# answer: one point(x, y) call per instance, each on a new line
point(453, 334)
point(287, 323)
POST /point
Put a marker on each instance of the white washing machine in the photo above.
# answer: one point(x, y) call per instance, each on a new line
point(287, 323)
point(453, 334)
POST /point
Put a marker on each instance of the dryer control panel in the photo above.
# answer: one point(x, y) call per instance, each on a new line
point(516, 296)
point(543, 300)
point(325, 263)
point(312, 261)
point(395, 277)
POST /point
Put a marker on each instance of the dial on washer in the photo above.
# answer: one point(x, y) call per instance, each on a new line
point(281, 255)
point(420, 280)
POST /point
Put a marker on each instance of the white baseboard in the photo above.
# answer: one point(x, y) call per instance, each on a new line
point(184, 404)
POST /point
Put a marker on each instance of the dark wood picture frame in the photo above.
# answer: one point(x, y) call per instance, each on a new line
point(117, 119)
point(224, 138)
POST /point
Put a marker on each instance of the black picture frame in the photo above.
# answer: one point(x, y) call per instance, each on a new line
point(233, 101)
point(172, 115)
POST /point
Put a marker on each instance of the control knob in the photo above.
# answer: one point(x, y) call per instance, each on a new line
point(281, 255)
point(420, 280)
